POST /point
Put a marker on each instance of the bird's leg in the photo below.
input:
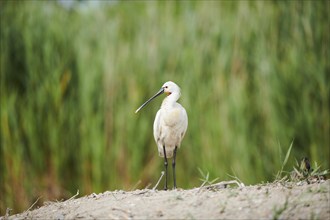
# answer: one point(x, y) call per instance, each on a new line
point(173, 166)
point(165, 163)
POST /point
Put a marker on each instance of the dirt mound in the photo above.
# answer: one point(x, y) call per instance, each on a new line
point(268, 201)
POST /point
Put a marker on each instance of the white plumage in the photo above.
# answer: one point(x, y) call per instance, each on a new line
point(171, 121)
point(170, 124)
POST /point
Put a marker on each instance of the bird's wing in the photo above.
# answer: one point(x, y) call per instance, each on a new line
point(157, 127)
point(184, 123)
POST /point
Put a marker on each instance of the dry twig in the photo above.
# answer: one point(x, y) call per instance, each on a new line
point(159, 180)
point(73, 196)
point(221, 185)
point(33, 204)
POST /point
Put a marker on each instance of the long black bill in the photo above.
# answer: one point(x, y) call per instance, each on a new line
point(161, 91)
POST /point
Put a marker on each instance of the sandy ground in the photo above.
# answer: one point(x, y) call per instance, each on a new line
point(266, 201)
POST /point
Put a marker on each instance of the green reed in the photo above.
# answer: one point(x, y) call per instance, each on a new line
point(254, 76)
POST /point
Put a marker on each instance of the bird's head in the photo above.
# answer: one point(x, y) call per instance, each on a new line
point(170, 87)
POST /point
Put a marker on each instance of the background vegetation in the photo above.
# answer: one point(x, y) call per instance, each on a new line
point(254, 77)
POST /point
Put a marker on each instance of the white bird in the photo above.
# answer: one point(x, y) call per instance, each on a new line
point(170, 124)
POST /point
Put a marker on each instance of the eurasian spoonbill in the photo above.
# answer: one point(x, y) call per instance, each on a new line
point(170, 124)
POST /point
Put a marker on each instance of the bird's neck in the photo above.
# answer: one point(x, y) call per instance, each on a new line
point(171, 99)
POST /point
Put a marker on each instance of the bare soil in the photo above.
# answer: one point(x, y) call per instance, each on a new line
point(265, 201)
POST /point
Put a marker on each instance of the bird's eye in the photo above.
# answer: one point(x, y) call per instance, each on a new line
point(166, 87)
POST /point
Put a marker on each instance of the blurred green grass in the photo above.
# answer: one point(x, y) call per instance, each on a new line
point(254, 76)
